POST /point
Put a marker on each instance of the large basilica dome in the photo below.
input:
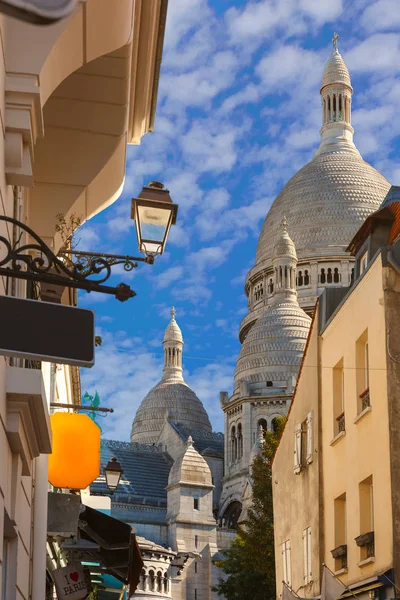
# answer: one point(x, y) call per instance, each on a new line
point(325, 203)
point(171, 398)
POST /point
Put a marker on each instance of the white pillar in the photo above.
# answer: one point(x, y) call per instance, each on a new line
point(39, 529)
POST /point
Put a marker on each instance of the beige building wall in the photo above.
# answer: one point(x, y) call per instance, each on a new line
point(72, 95)
point(357, 457)
point(296, 485)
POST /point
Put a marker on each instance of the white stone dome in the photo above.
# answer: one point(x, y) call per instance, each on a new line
point(174, 400)
point(325, 204)
point(274, 346)
point(336, 71)
point(171, 398)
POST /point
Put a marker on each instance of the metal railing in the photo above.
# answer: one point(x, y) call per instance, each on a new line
point(365, 399)
point(341, 423)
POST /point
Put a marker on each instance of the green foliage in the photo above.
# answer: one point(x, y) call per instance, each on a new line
point(249, 562)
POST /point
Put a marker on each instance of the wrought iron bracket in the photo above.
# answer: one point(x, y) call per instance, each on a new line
point(35, 261)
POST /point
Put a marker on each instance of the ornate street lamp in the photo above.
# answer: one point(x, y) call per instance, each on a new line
point(153, 212)
point(112, 473)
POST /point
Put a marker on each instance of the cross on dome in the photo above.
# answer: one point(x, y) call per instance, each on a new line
point(335, 41)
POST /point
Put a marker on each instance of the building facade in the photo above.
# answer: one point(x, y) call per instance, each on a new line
point(73, 95)
point(323, 206)
point(340, 496)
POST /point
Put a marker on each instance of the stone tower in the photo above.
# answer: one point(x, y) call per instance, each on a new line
point(265, 376)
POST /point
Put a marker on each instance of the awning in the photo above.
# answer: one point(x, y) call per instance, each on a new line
point(119, 551)
point(363, 589)
point(96, 538)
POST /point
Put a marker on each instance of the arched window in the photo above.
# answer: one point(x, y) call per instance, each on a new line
point(262, 423)
point(329, 276)
point(240, 441)
point(274, 425)
point(306, 278)
point(352, 277)
point(143, 580)
point(280, 277)
point(165, 583)
point(233, 443)
point(152, 581)
point(159, 582)
point(322, 276)
point(336, 275)
point(300, 278)
point(271, 286)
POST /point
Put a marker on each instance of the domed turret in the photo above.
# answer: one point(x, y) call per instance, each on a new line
point(325, 203)
point(171, 398)
point(271, 353)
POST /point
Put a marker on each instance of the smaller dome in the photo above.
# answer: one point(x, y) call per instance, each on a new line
point(284, 246)
point(336, 70)
point(190, 468)
point(173, 332)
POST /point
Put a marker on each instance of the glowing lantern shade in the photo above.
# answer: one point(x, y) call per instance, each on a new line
point(75, 460)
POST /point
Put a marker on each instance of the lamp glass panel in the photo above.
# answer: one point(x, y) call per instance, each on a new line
point(112, 478)
point(154, 224)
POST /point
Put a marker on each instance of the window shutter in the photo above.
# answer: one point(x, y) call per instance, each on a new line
point(309, 571)
point(310, 440)
point(284, 562)
point(289, 567)
point(297, 449)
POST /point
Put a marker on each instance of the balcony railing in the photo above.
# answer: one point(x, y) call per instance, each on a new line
point(365, 402)
point(341, 423)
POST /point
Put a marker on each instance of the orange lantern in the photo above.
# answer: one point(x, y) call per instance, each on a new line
point(75, 459)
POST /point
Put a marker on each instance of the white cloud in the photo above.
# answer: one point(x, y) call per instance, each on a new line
point(247, 95)
point(381, 15)
point(169, 276)
point(379, 53)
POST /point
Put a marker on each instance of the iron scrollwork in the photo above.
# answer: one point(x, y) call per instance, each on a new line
point(35, 261)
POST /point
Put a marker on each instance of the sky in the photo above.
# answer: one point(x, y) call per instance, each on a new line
point(238, 114)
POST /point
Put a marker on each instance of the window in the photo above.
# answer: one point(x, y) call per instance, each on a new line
point(338, 398)
point(152, 581)
point(239, 441)
point(233, 444)
point(166, 583)
point(195, 566)
point(340, 532)
point(300, 278)
point(297, 448)
point(322, 277)
point(196, 503)
point(196, 541)
point(159, 582)
point(336, 275)
point(362, 372)
point(287, 575)
point(306, 278)
point(329, 276)
point(303, 444)
point(307, 555)
point(363, 262)
point(366, 538)
point(195, 594)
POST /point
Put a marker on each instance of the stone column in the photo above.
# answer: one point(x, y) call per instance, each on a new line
point(314, 277)
point(345, 270)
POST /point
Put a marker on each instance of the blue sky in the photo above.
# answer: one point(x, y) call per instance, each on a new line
point(238, 114)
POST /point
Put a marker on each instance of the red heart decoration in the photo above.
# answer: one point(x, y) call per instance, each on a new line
point(74, 576)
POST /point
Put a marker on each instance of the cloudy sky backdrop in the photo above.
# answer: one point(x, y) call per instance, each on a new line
point(238, 114)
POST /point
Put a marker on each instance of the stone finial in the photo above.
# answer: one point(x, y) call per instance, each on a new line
point(335, 41)
point(189, 442)
point(284, 223)
point(173, 313)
